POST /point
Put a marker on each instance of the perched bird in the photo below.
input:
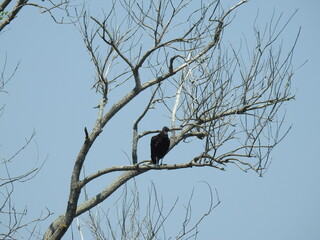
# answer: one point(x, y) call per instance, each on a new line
point(159, 145)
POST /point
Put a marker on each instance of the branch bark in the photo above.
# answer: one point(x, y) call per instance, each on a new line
point(12, 14)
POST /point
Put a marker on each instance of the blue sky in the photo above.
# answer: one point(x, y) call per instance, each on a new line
point(50, 93)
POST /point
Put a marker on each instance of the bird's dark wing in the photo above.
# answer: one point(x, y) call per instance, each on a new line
point(153, 145)
point(167, 145)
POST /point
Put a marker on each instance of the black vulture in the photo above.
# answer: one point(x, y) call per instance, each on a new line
point(159, 145)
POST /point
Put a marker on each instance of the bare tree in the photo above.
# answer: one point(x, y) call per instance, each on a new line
point(9, 9)
point(137, 219)
point(207, 89)
point(14, 221)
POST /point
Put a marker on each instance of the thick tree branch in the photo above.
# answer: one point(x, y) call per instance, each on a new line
point(12, 14)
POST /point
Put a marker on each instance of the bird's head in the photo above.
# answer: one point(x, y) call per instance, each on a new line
point(165, 130)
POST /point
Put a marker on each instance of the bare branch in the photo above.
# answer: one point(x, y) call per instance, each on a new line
point(12, 14)
point(136, 137)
